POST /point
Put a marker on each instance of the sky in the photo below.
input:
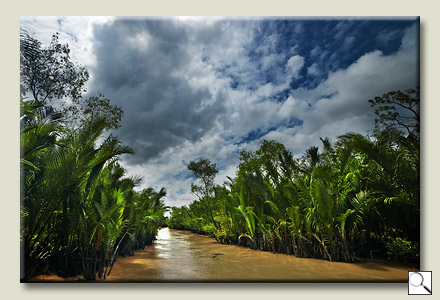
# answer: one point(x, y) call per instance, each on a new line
point(193, 87)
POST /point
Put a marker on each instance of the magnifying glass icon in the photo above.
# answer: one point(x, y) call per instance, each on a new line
point(416, 280)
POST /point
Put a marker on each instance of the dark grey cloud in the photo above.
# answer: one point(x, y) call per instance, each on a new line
point(212, 88)
point(142, 67)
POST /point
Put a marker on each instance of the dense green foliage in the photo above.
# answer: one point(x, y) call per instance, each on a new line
point(359, 197)
point(78, 211)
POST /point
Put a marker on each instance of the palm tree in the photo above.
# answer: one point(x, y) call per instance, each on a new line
point(58, 193)
point(326, 205)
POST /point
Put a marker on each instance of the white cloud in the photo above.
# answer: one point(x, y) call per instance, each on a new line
point(347, 108)
point(294, 65)
point(337, 105)
point(176, 89)
point(314, 70)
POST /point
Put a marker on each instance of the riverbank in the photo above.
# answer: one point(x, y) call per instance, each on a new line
point(181, 256)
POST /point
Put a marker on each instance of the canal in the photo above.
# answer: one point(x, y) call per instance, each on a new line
point(184, 256)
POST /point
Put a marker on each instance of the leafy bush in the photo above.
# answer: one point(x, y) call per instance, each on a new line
point(400, 249)
point(210, 230)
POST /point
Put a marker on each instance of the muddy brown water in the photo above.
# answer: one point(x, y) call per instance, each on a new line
point(184, 256)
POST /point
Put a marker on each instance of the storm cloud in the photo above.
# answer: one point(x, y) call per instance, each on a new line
point(212, 87)
point(143, 67)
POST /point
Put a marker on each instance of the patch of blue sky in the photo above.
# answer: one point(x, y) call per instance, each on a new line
point(229, 138)
point(330, 45)
point(293, 122)
point(281, 96)
point(239, 79)
point(235, 81)
point(182, 175)
point(258, 133)
point(253, 135)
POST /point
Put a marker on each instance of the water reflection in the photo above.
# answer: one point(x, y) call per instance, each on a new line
point(184, 256)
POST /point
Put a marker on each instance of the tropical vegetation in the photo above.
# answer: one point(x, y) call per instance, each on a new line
point(357, 197)
point(79, 210)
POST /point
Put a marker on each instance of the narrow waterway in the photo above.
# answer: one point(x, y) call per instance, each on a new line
point(182, 256)
point(185, 256)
